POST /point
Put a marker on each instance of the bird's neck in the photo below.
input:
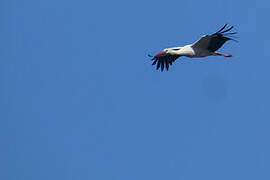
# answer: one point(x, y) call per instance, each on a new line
point(175, 50)
point(186, 51)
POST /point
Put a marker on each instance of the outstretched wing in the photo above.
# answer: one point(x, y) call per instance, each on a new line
point(164, 61)
point(214, 41)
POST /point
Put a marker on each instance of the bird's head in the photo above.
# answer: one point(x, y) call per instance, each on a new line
point(170, 51)
point(162, 53)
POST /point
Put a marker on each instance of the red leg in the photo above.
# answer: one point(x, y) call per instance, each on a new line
point(224, 55)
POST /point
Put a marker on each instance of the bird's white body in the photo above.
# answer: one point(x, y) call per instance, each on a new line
point(188, 51)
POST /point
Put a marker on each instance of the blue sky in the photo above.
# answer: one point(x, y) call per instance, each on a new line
point(79, 98)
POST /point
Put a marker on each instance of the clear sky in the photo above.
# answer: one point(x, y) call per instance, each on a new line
point(80, 100)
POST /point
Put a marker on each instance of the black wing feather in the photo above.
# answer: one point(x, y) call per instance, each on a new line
point(167, 65)
point(164, 61)
point(155, 61)
point(158, 64)
point(219, 38)
point(216, 42)
point(227, 30)
point(222, 28)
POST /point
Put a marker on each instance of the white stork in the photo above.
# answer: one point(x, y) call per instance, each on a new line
point(206, 46)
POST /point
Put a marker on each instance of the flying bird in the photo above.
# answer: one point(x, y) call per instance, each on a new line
point(206, 46)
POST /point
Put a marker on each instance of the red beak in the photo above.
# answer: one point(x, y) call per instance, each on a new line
point(160, 54)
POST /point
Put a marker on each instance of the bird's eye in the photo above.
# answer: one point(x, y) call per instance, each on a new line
point(176, 49)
